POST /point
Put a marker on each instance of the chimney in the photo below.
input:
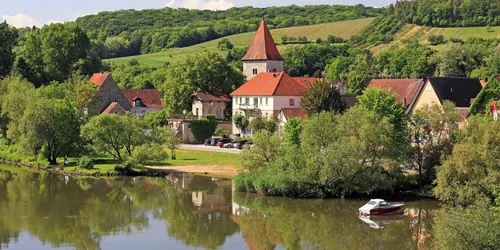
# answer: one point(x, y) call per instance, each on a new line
point(404, 102)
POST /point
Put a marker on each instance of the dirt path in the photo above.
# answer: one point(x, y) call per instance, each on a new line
point(208, 169)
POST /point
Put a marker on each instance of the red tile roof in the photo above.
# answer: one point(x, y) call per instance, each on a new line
point(271, 84)
point(150, 97)
point(292, 113)
point(306, 80)
point(211, 97)
point(263, 46)
point(114, 108)
point(99, 78)
point(405, 89)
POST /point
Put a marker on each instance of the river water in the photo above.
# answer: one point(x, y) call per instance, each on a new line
point(39, 210)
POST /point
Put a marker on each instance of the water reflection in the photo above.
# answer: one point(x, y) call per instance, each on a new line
point(328, 224)
point(42, 209)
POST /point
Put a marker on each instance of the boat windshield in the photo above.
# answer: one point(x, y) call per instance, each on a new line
point(383, 204)
point(372, 203)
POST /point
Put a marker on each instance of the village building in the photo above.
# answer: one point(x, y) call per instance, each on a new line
point(119, 101)
point(204, 104)
point(414, 94)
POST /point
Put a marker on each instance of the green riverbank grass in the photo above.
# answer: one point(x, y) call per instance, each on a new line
point(106, 164)
point(203, 158)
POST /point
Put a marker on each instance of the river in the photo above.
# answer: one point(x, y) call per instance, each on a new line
point(39, 210)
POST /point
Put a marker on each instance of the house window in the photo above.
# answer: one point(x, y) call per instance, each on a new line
point(428, 87)
point(197, 111)
point(247, 101)
point(260, 101)
point(267, 101)
point(274, 70)
point(255, 71)
point(236, 100)
point(137, 102)
point(241, 100)
point(143, 112)
point(292, 102)
point(116, 99)
point(255, 101)
point(153, 101)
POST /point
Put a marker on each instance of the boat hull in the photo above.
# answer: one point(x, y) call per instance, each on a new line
point(385, 210)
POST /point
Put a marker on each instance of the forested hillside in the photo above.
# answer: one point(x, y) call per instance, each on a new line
point(131, 32)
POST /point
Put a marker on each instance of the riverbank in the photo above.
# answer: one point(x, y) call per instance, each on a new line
point(212, 170)
point(188, 161)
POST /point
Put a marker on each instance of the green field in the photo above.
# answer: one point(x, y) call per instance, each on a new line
point(344, 29)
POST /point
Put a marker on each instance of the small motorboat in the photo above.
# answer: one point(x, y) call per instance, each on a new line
point(379, 206)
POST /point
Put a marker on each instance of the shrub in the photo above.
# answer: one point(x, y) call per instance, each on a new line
point(335, 39)
point(149, 154)
point(436, 39)
point(203, 128)
point(86, 162)
point(222, 133)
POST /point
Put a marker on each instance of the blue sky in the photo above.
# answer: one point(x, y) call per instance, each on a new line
point(22, 13)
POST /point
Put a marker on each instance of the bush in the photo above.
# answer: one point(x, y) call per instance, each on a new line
point(203, 128)
point(86, 162)
point(222, 133)
point(436, 39)
point(144, 154)
point(335, 39)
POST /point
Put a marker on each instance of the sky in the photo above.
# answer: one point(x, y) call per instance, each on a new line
point(22, 13)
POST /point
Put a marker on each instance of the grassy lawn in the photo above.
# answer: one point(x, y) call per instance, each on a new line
point(106, 164)
point(344, 29)
point(200, 158)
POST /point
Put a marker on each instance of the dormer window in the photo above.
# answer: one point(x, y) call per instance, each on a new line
point(153, 101)
point(255, 71)
point(137, 102)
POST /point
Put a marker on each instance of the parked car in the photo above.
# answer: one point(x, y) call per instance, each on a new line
point(208, 141)
point(223, 141)
point(239, 144)
point(247, 144)
point(228, 145)
point(214, 141)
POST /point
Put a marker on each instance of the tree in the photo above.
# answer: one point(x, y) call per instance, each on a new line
point(114, 134)
point(169, 138)
point(432, 132)
point(225, 45)
point(436, 39)
point(53, 52)
point(260, 123)
point(8, 40)
point(206, 72)
point(203, 128)
point(321, 96)
point(455, 59)
point(265, 150)
point(470, 175)
point(293, 131)
point(83, 95)
point(16, 94)
point(360, 73)
point(383, 103)
point(133, 132)
point(49, 126)
point(241, 122)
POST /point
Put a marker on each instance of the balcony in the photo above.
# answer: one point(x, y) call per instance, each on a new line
point(248, 107)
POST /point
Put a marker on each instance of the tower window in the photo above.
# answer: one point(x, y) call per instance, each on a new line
point(255, 71)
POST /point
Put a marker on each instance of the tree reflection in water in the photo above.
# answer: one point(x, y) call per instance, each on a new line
point(80, 212)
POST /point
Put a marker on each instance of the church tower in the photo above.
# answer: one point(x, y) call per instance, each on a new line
point(263, 55)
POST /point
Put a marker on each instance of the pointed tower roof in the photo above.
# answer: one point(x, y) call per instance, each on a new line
point(263, 46)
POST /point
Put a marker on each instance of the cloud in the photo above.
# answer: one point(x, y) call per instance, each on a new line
point(21, 20)
point(201, 4)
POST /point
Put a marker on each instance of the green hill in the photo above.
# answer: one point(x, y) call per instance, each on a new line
point(344, 29)
point(422, 34)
